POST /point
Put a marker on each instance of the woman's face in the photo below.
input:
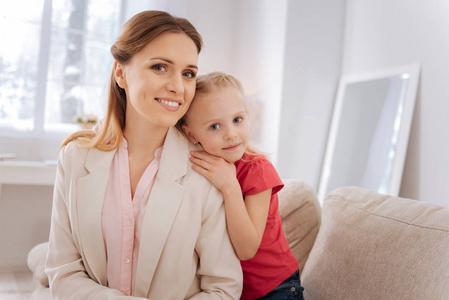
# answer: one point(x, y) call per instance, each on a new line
point(160, 80)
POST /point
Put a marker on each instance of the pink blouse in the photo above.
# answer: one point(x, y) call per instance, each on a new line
point(122, 218)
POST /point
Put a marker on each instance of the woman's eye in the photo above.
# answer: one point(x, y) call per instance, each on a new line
point(238, 120)
point(158, 67)
point(189, 74)
point(214, 127)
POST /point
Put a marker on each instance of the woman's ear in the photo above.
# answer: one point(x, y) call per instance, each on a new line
point(189, 134)
point(120, 75)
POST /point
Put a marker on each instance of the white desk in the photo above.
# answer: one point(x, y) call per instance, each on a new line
point(24, 177)
point(27, 173)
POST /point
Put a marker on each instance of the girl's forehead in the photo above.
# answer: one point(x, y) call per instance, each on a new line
point(222, 104)
point(221, 94)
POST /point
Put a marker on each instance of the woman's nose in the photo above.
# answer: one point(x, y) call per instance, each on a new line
point(175, 84)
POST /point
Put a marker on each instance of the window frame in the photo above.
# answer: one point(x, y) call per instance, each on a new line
point(43, 60)
point(38, 144)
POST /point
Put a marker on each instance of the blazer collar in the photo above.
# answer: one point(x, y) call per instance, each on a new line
point(162, 208)
point(174, 159)
point(98, 160)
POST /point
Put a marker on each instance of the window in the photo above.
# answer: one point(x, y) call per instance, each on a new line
point(54, 62)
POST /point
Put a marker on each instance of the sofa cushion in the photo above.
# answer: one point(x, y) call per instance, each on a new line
point(300, 212)
point(36, 263)
point(373, 246)
point(41, 293)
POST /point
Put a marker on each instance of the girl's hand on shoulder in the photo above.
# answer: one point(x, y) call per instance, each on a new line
point(218, 171)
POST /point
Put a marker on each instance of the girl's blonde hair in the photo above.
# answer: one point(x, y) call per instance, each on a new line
point(208, 83)
point(138, 31)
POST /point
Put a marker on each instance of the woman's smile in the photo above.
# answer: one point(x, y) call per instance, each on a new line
point(169, 104)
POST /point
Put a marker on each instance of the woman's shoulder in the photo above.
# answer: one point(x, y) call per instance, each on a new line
point(75, 155)
point(74, 150)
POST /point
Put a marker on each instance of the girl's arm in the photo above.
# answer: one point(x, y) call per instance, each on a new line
point(246, 220)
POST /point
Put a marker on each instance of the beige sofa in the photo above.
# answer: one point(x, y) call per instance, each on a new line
point(368, 246)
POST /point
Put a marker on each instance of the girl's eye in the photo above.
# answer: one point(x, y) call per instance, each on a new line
point(159, 67)
point(214, 126)
point(238, 120)
point(189, 74)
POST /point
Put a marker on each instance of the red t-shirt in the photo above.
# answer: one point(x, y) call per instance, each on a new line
point(273, 262)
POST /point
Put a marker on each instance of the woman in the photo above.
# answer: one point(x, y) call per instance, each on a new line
point(130, 217)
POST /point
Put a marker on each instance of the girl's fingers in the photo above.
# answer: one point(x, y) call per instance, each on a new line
point(203, 156)
point(201, 171)
point(200, 162)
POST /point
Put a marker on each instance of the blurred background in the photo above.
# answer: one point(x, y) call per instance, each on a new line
point(289, 55)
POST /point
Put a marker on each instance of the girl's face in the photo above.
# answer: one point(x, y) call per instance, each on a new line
point(219, 122)
point(160, 80)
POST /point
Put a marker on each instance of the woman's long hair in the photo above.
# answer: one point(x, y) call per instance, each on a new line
point(136, 34)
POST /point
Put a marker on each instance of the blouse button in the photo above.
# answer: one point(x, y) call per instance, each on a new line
point(127, 260)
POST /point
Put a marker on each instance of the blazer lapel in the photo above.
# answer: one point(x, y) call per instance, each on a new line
point(162, 207)
point(90, 196)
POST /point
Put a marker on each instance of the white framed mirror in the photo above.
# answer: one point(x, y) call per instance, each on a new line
point(369, 131)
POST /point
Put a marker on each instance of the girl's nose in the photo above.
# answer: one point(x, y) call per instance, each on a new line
point(230, 133)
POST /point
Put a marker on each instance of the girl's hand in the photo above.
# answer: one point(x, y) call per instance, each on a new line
point(218, 171)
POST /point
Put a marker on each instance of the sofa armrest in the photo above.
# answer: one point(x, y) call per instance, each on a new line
point(374, 246)
point(301, 217)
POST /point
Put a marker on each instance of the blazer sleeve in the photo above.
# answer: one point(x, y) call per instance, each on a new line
point(219, 268)
point(64, 264)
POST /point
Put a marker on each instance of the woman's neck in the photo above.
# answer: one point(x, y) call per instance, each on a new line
point(144, 140)
point(142, 143)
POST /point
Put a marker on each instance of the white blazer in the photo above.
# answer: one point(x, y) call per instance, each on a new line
point(185, 249)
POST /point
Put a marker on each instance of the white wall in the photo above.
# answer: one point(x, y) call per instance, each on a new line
point(24, 222)
point(389, 33)
point(312, 65)
point(246, 39)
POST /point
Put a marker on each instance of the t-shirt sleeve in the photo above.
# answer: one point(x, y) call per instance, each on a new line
point(260, 175)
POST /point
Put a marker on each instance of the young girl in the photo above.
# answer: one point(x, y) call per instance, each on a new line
point(218, 120)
